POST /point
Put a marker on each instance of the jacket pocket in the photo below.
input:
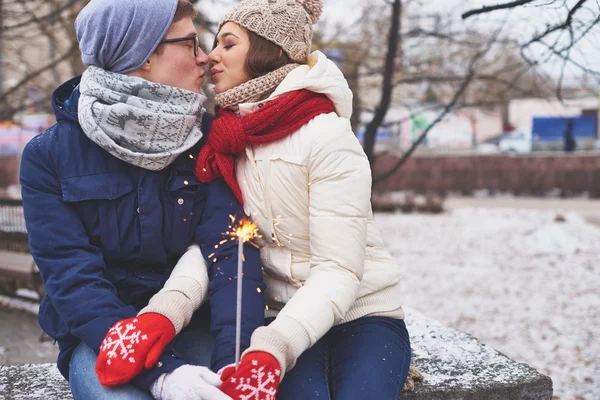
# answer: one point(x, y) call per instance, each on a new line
point(277, 262)
point(102, 202)
point(268, 154)
point(105, 186)
point(301, 270)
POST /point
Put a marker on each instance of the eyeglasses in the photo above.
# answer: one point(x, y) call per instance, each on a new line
point(183, 39)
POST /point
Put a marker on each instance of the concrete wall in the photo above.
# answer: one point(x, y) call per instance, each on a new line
point(535, 174)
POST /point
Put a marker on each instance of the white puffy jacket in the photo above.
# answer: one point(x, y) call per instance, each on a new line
point(309, 193)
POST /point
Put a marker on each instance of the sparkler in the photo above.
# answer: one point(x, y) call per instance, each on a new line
point(244, 232)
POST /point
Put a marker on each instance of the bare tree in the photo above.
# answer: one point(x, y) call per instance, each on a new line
point(557, 39)
point(39, 50)
point(467, 80)
point(406, 67)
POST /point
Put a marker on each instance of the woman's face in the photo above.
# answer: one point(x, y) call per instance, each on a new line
point(228, 58)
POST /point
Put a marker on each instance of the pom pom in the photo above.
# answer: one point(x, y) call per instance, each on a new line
point(314, 8)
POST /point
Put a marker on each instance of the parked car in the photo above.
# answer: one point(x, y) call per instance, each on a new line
point(517, 141)
point(487, 148)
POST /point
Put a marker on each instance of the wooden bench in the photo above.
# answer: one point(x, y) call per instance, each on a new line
point(17, 268)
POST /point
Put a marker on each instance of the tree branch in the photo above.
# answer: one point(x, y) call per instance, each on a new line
point(488, 9)
point(420, 139)
point(37, 19)
point(446, 110)
point(4, 95)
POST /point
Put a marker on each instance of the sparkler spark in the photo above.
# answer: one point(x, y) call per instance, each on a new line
point(243, 232)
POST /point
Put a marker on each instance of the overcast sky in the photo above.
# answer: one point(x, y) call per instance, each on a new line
point(522, 23)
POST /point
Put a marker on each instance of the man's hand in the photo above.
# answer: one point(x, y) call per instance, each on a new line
point(132, 345)
point(257, 377)
point(188, 382)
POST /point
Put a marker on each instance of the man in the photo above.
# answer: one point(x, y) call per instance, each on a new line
point(570, 144)
point(111, 205)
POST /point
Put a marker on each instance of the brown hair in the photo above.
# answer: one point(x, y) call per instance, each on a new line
point(185, 9)
point(264, 56)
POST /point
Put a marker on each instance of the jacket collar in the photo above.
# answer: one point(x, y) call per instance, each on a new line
point(65, 100)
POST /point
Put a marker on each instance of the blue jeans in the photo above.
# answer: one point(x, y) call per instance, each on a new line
point(363, 359)
point(195, 344)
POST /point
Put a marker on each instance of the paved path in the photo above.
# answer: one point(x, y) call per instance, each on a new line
point(587, 208)
point(20, 339)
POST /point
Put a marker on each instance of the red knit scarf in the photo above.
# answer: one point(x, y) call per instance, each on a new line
point(230, 134)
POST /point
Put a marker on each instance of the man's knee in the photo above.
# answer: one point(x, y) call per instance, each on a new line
point(85, 384)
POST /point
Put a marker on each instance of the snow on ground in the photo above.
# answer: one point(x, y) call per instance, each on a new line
point(19, 304)
point(516, 279)
point(520, 282)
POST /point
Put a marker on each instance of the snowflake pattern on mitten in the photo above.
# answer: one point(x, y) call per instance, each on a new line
point(131, 345)
point(120, 341)
point(257, 378)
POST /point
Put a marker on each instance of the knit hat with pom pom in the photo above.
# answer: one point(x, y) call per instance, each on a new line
point(287, 23)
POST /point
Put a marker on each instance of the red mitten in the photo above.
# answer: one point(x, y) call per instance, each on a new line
point(257, 377)
point(130, 345)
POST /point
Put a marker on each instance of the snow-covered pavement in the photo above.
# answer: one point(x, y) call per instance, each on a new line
point(516, 279)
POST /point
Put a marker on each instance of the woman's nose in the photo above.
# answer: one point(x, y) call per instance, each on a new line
point(213, 56)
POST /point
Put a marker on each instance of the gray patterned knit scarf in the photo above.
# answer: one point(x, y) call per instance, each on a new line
point(253, 90)
point(140, 122)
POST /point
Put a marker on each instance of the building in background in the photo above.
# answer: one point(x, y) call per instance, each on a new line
point(522, 111)
point(458, 130)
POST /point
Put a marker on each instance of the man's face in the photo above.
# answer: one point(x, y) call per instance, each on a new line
point(174, 64)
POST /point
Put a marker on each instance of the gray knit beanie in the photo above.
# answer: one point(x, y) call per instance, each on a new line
point(287, 23)
point(120, 35)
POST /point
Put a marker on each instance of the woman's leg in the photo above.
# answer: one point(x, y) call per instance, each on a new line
point(370, 358)
point(86, 386)
point(308, 378)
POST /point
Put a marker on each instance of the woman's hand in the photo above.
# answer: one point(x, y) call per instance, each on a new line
point(257, 377)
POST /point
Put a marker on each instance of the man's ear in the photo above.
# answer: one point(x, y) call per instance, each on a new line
point(148, 64)
point(145, 69)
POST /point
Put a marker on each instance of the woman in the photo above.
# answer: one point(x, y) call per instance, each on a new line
point(282, 141)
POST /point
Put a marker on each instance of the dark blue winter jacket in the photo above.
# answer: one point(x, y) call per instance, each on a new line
point(106, 235)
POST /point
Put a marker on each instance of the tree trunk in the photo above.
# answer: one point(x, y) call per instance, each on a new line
point(1, 46)
point(387, 87)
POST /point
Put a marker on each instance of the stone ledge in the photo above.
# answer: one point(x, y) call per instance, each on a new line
point(455, 366)
point(33, 382)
